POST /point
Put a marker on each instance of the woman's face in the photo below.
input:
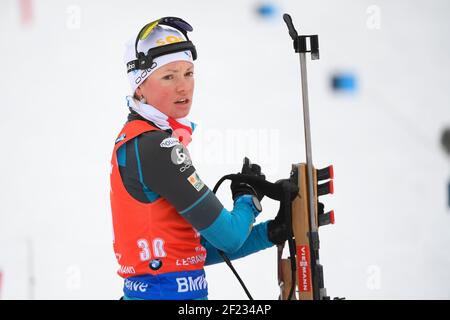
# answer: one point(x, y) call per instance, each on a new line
point(166, 88)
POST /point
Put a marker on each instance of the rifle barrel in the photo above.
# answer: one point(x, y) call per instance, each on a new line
point(309, 165)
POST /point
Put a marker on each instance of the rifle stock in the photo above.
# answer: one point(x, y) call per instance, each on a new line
point(286, 283)
point(309, 284)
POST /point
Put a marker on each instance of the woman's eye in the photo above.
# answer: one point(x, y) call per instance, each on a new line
point(168, 77)
point(190, 73)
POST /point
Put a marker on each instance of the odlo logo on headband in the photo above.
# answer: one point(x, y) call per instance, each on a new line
point(145, 72)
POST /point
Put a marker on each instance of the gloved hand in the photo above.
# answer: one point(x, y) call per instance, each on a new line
point(278, 230)
point(240, 188)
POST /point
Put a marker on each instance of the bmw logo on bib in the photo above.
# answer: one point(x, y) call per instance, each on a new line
point(155, 264)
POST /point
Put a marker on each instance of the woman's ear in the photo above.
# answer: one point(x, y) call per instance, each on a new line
point(138, 92)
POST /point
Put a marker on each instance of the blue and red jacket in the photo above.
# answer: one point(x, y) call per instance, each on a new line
point(167, 222)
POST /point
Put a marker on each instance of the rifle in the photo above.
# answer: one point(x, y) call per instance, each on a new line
point(301, 272)
point(307, 213)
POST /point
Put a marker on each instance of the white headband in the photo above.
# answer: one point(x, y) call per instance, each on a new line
point(159, 36)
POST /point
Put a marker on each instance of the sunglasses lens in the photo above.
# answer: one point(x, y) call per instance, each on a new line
point(179, 23)
point(176, 22)
point(147, 30)
point(183, 25)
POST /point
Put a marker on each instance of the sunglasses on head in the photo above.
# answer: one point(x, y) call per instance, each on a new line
point(145, 60)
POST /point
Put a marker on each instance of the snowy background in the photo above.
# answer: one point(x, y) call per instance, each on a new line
point(63, 85)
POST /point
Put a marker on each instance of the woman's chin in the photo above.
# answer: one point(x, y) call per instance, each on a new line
point(182, 112)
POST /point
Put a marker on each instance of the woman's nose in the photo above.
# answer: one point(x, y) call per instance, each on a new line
point(182, 86)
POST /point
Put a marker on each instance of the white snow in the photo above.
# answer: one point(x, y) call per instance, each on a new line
point(63, 91)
